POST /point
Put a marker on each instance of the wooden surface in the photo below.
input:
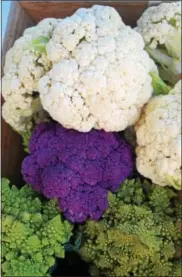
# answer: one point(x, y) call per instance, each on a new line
point(130, 11)
point(11, 149)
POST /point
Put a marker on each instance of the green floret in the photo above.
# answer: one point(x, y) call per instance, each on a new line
point(24, 267)
point(33, 232)
point(138, 235)
point(169, 66)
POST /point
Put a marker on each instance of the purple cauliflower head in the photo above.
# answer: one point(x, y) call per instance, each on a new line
point(76, 168)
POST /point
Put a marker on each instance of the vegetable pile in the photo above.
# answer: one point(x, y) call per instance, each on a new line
point(98, 107)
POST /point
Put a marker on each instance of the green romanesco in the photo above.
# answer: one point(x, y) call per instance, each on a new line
point(33, 232)
point(138, 235)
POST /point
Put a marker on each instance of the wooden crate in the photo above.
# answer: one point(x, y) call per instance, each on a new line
point(24, 14)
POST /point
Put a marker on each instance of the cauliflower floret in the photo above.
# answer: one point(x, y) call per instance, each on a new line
point(15, 118)
point(159, 139)
point(160, 27)
point(43, 28)
point(100, 74)
point(22, 119)
point(23, 68)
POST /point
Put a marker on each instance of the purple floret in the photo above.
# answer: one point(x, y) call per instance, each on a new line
point(76, 168)
point(83, 203)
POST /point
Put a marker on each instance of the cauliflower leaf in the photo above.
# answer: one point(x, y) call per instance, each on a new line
point(39, 44)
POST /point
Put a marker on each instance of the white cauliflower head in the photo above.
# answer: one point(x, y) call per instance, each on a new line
point(160, 27)
point(100, 74)
point(24, 66)
point(158, 135)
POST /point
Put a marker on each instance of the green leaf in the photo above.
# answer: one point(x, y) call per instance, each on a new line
point(168, 75)
point(169, 67)
point(159, 87)
point(39, 44)
point(175, 184)
point(160, 57)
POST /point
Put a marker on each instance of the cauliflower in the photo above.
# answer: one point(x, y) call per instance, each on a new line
point(139, 234)
point(158, 135)
point(77, 168)
point(100, 73)
point(33, 232)
point(160, 27)
point(25, 63)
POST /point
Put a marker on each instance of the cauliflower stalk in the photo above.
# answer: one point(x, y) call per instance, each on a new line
point(100, 72)
point(77, 168)
point(33, 232)
point(25, 137)
point(160, 27)
point(138, 235)
point(25, 63)
point(158, 135)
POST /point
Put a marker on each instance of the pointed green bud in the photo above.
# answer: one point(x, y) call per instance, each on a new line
point(159, 87)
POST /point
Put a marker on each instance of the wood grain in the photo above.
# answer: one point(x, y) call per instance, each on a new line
point(11, 148)
point(130, 11)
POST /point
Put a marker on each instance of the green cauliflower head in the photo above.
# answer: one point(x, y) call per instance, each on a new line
point(33, 232)
point(137, 236)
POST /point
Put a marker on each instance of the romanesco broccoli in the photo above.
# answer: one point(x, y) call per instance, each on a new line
point(33, 232)
point(138, 235)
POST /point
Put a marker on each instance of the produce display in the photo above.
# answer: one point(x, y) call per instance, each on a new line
point(97, 104)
